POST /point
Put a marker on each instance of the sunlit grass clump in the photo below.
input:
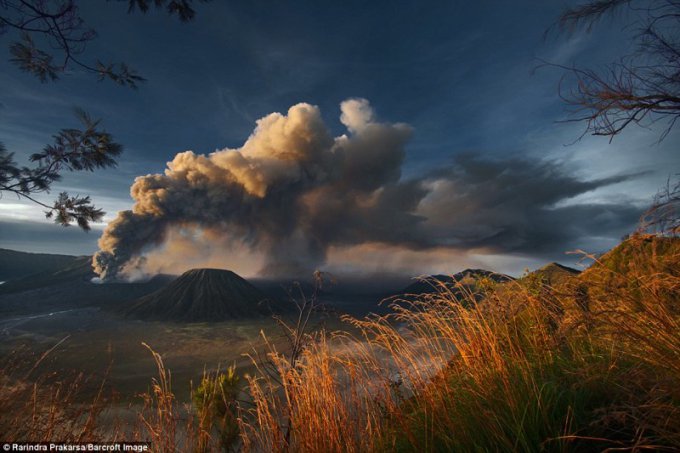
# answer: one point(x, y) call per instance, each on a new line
point(587, 364)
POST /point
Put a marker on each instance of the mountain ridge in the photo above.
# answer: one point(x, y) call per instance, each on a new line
point(437, 282)
point(15, 264)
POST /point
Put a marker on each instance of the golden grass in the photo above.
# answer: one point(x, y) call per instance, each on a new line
point(39, 407)
point(591, 364)
point(36, 406)
point(524, 370)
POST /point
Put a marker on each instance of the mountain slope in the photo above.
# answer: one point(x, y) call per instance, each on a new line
point(202, 295)
point(70, 286)
point(77, 270)
point(639, 253)
point(15, 265)
point(468, 278)
point(634, 264)
point(553, 274)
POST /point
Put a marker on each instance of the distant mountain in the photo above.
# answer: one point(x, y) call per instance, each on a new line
point(203, 295)
point(79, 269)
point(467, 278)
point(15, 265)
point(67, 286)
point(554, 274)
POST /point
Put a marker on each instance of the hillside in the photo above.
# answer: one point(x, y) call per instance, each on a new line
point(590, 366)
point(15, 265)
point(66, 286)
point(640, 263)
point(79, 269)
point(553, 274)
point(202, 295)
point(639, 253)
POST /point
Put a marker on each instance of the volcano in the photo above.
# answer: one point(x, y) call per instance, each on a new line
point(203, 295)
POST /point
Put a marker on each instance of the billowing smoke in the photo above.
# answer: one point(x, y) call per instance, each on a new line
point(280, 193)
point(293, 192)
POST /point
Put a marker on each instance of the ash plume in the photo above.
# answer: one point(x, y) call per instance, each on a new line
point(293, 192)
point(275, 193)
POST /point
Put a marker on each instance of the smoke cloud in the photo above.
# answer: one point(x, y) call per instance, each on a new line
point(293, 191)
point(271, 194)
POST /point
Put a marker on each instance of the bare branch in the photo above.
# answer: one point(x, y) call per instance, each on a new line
point(663, 216)
point(641, 88)
point(53, 36)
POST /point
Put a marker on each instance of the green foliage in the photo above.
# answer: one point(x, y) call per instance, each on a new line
point(182, 8)
point(53, 36)
point(215, 403)
point(84, 149)
point(119, 73)
point(30, 59)
point(68, 209)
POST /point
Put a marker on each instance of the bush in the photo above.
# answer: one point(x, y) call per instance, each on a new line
point(215, 404)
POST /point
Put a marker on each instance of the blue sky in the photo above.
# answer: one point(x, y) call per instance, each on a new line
point(461, 74)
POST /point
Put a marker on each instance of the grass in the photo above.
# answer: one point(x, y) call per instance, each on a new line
point(590, 364)
point(47, 406)
point(527, 369)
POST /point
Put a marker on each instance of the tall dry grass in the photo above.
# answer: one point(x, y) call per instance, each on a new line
point(588, 364)
point(39, 406)
point(553, 369)
point(207, 423)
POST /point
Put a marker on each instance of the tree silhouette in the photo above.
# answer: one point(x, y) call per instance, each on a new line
point(72, 150)
point(52, 38)
point(640, 88)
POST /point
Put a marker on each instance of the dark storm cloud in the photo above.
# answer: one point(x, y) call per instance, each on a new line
point(293, 190)
point(518, 205)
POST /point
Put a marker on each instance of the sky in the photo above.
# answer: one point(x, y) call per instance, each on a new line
point(454, 152)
